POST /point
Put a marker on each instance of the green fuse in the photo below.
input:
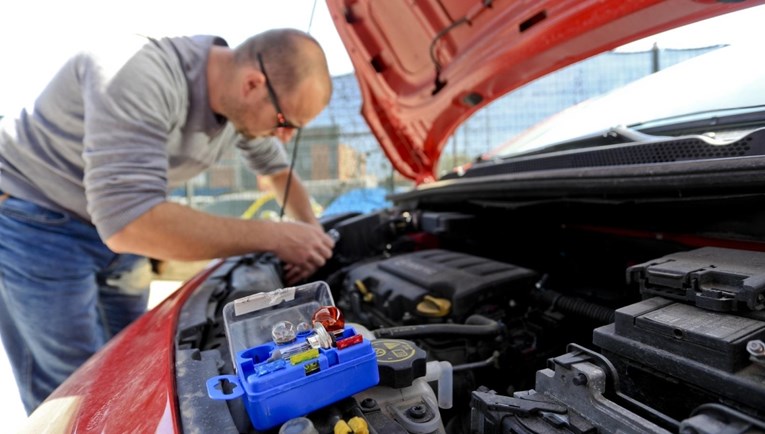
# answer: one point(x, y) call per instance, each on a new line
point(305, 355)
point(311, 368)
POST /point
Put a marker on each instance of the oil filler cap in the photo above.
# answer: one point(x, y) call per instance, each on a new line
point(434, 307)
point(399, 362)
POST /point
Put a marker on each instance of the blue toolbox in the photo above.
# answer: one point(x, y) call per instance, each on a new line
point(292, 354)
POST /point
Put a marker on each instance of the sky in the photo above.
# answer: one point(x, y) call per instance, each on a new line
point(38, 35)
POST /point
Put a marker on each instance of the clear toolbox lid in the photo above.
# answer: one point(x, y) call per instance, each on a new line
point(248, 320)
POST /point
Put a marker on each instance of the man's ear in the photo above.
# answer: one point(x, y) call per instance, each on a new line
point(253, 80)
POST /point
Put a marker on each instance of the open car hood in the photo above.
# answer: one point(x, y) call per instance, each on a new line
point(424, 67)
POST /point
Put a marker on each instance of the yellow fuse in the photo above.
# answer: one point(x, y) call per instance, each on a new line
point(341, 427)
point(358, 425)
point(305, 355)
point(355, 425)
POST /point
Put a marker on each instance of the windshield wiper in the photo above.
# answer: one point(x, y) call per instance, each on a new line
point(630, 135)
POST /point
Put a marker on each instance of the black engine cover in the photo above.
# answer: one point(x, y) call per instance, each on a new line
point(398, 284)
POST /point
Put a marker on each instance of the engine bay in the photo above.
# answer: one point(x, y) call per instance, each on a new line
point(535, 325)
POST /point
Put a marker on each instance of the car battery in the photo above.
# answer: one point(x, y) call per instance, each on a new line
point(678, 344)
point(292, 354)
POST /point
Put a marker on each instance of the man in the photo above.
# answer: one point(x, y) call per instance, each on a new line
point(84, 176)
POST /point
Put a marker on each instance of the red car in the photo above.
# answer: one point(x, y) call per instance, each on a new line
point(613, 282)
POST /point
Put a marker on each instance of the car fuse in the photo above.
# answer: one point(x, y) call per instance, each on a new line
point(347, 342)
point(298, 358)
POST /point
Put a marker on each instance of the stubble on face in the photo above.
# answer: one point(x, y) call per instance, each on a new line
point(242, 117)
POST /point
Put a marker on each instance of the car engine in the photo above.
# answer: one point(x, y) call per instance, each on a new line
point(515, 321)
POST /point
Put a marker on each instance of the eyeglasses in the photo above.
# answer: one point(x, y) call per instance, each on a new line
point(281, 120)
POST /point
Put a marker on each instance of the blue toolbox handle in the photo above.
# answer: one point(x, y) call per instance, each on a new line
point(216, 389)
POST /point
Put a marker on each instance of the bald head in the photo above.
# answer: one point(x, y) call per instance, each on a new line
point(290, 57)
point(294, 65)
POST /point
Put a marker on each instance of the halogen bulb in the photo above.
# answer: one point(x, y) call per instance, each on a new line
point(318, 339)
point(283, 332)
point(330, 317)
point(304, 327)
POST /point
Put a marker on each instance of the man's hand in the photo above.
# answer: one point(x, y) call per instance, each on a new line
point(304, 248)
point(171, 231)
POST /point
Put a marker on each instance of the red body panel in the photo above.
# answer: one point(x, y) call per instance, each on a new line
point(483, 52)
point(129, 386)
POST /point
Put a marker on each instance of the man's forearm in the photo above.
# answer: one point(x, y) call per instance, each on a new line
point(173, 231)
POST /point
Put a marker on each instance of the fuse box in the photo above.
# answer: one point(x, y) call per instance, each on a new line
point(287, 362)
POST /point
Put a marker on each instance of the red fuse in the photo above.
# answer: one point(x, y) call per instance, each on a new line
point(330, 317)
point(347, 342)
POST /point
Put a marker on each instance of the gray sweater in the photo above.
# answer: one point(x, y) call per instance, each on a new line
point(114, 132)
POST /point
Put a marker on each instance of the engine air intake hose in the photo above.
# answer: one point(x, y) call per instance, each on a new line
point(475, 325)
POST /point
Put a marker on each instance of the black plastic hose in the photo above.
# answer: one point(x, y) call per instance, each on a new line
point(576, 306)
point(475, 325)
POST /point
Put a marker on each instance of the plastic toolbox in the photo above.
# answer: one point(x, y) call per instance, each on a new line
point(299, 379)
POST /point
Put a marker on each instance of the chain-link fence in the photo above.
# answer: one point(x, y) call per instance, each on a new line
point(337, 153)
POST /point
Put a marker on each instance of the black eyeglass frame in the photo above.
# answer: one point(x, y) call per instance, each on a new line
point(281, 120)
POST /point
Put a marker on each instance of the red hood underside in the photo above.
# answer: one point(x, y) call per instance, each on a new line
point(426, 66)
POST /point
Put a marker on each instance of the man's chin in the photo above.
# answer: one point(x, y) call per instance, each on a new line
point(250, 136)
point(246, 134)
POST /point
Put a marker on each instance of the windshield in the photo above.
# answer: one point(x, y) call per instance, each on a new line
point(726, 81)
point(707, 70)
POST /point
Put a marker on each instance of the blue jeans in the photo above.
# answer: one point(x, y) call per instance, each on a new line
point(63, 294)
